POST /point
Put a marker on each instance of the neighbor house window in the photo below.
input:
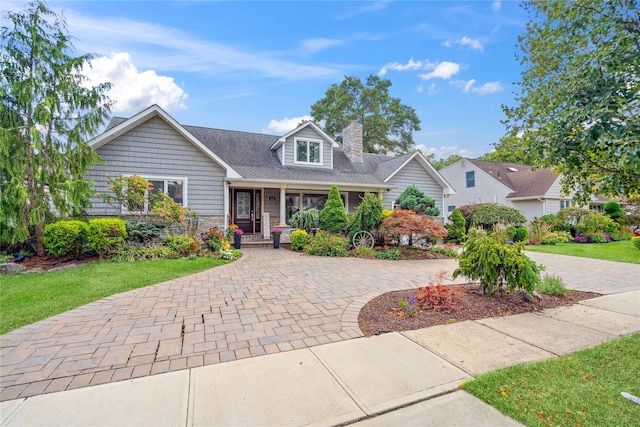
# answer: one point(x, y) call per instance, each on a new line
point(451, 208)
point(308, 151)
point(565, 204)
point(471, 179)
point(176, 188)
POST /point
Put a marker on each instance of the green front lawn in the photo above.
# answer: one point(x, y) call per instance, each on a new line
point(581, 389)
point(28, 298)
point(622, 251)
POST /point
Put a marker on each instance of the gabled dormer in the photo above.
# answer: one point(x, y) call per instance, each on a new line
point(306, 146)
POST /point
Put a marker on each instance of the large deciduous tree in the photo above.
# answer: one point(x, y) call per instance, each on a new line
point(47, 113)
point(387, 125)
point(578, 106)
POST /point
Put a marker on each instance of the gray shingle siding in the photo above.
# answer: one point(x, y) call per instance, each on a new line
point(155, 149)
point(289, 147)
point(413, 174)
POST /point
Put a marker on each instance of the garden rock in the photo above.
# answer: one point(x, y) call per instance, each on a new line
point(535, 296)
point(11, 268)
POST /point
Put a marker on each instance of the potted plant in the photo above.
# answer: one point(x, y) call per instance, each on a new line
point(237, 237)
point(275, 234)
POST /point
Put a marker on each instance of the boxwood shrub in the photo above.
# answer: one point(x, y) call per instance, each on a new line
point(66, 238)
point(105, 234)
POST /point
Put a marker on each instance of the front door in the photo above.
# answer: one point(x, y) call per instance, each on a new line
point(246, 212)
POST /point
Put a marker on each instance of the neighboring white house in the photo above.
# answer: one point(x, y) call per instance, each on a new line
point(534, 192)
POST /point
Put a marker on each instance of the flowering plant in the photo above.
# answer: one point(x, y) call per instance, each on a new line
point(238, 231)
point(276, 231)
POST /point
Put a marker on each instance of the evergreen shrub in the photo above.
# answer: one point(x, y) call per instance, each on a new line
point(333, 217)
point(105, 234)
point(66, 238)
point(299, 239)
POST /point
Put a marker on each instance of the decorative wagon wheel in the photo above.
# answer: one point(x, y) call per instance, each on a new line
point(363, 239)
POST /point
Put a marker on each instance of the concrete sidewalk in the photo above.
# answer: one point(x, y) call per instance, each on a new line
point(409, 378)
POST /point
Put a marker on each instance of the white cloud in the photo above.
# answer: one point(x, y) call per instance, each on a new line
point(134, 90)
point(445, 151)
point(496, 5)
point(429, 90)
point(490, 87)
point(485, 89)
point(443, 70)
point(411, 66)
point(165, 48)
point(319, 44)
point(285, 125)
point(474, 44)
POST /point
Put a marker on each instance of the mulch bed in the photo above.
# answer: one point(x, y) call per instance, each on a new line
point(48, 262)
point(383, 314)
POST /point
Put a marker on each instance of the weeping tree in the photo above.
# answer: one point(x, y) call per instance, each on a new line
point(47, 113)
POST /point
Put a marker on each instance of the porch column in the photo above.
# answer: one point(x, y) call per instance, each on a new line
point(283, 207)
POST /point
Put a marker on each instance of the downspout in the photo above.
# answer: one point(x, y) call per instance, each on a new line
point(544, 205)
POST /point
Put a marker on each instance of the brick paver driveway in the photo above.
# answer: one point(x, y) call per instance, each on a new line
point(266, 302)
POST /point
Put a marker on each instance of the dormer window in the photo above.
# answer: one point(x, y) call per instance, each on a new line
point(308, 151)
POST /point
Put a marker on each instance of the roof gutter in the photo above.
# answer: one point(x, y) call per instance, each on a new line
point(306, 185)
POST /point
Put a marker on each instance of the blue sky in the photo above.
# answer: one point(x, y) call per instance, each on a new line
point(259, 66)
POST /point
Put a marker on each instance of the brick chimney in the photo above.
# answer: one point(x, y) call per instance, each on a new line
point(352, 142)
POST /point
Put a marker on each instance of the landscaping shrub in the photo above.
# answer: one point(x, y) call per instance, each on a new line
point(183, 245)
point(597, 223)
point(552, 285)
point(542, 234)
point(363, 252)
point(66, 238)
point(306, 219)
point(518, 234)
point(230, 254)
point(212, 239)
point(437, 297)
point(173, 214)
point(368, 215)
point(456, 228)
point(415, 200)
point(333, 217)
point(636, 241)
point(613, 210)
point(408, 224)
point(487, 215)
point(499, 234)
point(476, 233)
point(497, 267)
point(466, 211)
point(299, 239)
point(392, 254)
point(106, 234)
point(327, 244)
point(439, 250)
point(129, 191)
point(573, 218)
point(130, 253)
point(145, 233)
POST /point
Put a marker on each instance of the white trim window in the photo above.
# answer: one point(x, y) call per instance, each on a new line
point(307, 151)
point(176, 188)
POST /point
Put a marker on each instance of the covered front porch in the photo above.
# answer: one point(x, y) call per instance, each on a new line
point(257, 209)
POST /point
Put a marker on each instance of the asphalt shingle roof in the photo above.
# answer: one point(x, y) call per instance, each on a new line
point(522, 179)
point(251, 156)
